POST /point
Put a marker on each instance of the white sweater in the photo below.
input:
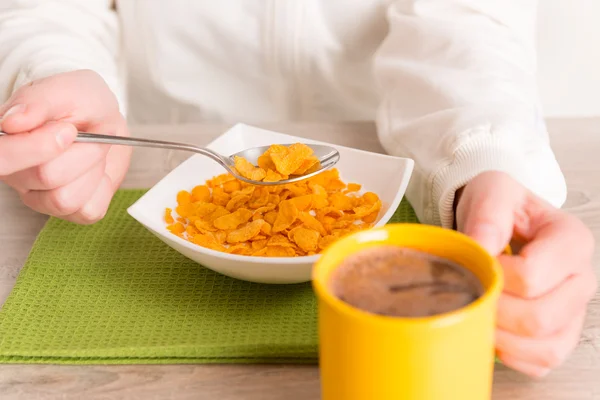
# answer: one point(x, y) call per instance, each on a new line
point(451, 83)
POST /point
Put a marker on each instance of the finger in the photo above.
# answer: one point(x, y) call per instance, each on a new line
point(68, 199)
point(10, 109)
point(486, 210)
point(33, 105)
point(64, 96)
point(560, 247)
point(95, 209)
point(26, 116)
point(526, 368)
point(116, 167)
point(117, 162)
point(25, 150)
point(76, 161)
point(547, 315)
point(548, 352)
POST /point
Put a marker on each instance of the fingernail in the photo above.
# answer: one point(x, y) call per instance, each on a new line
point(487, 235)
point(17, 108)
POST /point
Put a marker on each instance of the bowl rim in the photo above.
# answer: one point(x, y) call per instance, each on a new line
point(383, 220)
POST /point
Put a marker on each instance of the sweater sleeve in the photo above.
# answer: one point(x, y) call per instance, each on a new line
point(40, 38)
point(459, 96)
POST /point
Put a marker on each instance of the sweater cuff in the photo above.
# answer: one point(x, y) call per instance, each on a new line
point(477, 155)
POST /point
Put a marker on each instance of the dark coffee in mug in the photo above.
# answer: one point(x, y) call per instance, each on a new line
point(401, 282)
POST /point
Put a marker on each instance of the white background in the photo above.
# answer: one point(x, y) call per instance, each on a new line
point(569, 57)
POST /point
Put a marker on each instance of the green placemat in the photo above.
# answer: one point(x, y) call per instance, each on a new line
point(112, 293)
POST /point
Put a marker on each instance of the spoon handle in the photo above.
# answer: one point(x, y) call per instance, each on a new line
point(83, 137)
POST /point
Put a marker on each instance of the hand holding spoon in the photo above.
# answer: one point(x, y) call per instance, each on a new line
point(328, 156)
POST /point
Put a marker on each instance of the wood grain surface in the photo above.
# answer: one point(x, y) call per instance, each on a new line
point(577, 146)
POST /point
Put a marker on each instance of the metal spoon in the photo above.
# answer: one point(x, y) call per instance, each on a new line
point(328, 156)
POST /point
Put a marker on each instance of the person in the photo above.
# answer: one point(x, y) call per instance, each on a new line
point(450, 83)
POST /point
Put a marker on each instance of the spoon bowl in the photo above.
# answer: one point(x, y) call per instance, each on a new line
point(328, 156)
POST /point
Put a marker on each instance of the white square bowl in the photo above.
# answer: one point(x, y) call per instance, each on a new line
point(385, 175)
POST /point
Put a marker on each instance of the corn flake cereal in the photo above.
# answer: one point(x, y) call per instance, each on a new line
point(306, 239)
point(169, 216)
point(207, 241)
point(259, 198)
point(279, 240)
point(291, 220)
point(273, 176)
point(200, 193)
point(177, 228)
point(247, 170)
point(279, 251)
point(352, 187)
point(220, 197)
point(246, 232)
point(289, 160)
point(232, 220)
point(312, 223)
point(270, 217)
point(184, 198)
point(237, 201)
point(277, 163)
point(286, 216)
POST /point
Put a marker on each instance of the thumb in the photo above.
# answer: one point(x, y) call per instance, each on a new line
point(486, 210)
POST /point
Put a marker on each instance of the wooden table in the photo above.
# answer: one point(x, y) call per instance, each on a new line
point(578, 379)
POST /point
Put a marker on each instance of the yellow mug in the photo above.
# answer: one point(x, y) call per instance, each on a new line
point(450, 356)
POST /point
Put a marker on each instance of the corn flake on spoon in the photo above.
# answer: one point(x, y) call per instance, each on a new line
point(328, 156)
